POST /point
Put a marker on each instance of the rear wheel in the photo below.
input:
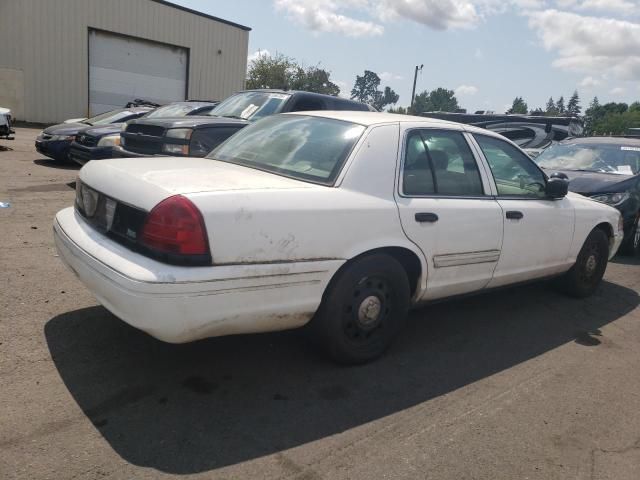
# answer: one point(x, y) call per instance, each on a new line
point(631, 244)
point(586, 274)
point(363, 309)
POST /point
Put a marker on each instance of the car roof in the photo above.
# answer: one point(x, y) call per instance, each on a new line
point(302, 92)
point(602, 141)
point(192, 103)
point(379, 118)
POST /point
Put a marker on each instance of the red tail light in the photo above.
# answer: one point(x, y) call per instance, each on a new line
point(175, 228)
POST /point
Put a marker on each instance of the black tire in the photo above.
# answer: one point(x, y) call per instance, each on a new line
point(586, 274)
point(363, 310)
point(631, 244)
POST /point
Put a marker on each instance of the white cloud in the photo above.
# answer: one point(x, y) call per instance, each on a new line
point(345, 91)
point(590, 45)
point(388, 76)
point(613, 6)
point(359, 18)
point(257, 54)
point(466, 90)
point(323, 16)
point(617, 91)
point(590, 82)
point(435, 14)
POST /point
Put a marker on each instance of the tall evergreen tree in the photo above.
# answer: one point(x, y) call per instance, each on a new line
point(551, 109)
point(519, 106)
point(573, 107)
point(560, 106)
point(592, 116)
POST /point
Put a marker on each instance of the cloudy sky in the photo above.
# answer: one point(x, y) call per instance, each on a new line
point(488, 51)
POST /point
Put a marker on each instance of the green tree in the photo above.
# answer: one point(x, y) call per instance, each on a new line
point(438, 100)
point(519, 106)
point(592, 115)
point(382, 99)
point(267, 71)
point(399, 110)
point(280, 71)
point(366, 90)
point(314, 79)
point(560, 106)
point(573, 107)
point(615, 123)
point(634, 107)
point(551, 110)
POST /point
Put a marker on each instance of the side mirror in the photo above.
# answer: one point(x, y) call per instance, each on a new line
point(557, 188)
point(559, 175)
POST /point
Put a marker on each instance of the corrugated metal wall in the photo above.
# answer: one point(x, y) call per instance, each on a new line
point(49, 42)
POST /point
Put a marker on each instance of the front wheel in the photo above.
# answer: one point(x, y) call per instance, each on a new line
point(363, 309)
point(586, 274)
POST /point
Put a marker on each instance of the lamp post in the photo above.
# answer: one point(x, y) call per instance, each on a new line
point(415, 78)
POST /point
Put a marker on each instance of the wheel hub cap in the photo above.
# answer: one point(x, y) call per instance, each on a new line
point(369, 311)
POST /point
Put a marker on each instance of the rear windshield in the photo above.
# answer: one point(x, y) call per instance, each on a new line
point(303, 147)
point(109, 117)
point(172, 111)
point(250, 105)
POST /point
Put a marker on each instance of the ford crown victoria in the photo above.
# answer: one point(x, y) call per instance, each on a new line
point(340, 221)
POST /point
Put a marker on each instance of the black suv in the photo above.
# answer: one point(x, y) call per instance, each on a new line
point(197, 136)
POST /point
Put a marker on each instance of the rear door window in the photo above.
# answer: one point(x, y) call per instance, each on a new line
point(440, 162)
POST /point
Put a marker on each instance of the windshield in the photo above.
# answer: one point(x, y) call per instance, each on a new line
point(172, 111)
point(250, 105)
point(606, 158)
point(303, 147)
point(109, 117)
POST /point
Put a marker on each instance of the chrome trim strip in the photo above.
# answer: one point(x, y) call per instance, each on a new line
point(467, 258)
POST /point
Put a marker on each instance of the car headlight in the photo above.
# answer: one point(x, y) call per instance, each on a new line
point(109, 141)
point(182, 133)
point(174, 149)
point(123, 127)
point(611, 198)
point(58, 138)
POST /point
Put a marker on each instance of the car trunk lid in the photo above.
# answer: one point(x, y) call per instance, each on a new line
point(144, 182)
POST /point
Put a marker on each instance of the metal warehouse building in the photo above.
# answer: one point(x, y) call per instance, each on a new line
point(76, 58)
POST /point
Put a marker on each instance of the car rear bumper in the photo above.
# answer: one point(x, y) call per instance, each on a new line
point(182, 304)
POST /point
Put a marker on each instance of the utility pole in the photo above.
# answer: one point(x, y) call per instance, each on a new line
point(415, 79)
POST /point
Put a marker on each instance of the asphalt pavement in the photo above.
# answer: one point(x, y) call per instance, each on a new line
point(523, 383)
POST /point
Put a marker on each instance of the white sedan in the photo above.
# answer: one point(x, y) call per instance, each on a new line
point(339, 220)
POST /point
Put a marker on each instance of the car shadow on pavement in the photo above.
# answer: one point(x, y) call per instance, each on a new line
point(193, 408)
point(49, 162)
point(626, 260)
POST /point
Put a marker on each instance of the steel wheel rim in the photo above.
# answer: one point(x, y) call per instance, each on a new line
point(366, 314)
point(591, 264)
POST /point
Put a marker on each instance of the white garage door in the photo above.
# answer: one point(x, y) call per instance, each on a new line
point(122, 69)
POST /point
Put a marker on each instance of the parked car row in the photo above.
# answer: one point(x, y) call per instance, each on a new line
point(338, 222)
point(98, 143)
point(182, 128)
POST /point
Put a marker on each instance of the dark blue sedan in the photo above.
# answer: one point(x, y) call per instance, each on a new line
point(55, 142)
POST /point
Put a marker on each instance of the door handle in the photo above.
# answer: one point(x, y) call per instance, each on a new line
point(426, 217)
point(514, 215)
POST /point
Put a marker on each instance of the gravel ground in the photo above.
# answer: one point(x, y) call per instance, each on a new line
point(522, 383)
